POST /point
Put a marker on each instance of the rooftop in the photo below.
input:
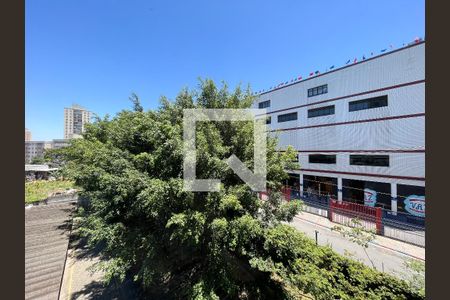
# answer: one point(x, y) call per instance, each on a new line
point(316, 74)
point(39, 168)
point(46, 240)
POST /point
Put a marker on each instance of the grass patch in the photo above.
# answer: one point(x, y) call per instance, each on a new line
point(41, 189)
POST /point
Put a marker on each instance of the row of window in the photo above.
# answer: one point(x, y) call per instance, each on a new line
point(321, 111)
point(355, 160)
point(318, 90)
point(264, 104)
point(287, 117)
point(315, 91)
point(330, 110)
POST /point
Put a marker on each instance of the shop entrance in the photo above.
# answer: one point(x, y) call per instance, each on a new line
point(369, 193)
point(320, 186)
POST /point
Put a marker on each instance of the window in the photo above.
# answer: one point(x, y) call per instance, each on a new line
point(353, 191)
point(368, 103)
point(321, 111)
point(322, 159)
point(268, 120)
point(264, 104)
point(318, 90)
point(370, 160)
point(287, 117)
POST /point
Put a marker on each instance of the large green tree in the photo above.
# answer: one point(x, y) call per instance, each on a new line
point(198, 245)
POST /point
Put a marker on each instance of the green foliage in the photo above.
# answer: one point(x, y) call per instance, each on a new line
point(358, 234)
point(185, 245)
point(38, 160)
point(417, 270)
point(41, 189)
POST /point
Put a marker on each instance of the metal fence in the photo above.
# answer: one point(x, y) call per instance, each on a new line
point(397, 225)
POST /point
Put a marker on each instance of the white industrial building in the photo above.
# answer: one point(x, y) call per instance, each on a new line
point(359, 130)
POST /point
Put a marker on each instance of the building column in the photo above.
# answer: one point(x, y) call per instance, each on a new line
point(339, 188)
point(301, 184)
point(394, 198)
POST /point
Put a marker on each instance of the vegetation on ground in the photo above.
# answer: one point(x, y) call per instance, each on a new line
point(41, 189)
point(417, 279)
point(190, 245)
point(357, 233)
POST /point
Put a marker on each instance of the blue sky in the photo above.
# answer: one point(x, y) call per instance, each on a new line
point(95, 53)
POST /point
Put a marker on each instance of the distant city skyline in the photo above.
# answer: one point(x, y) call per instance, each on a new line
point(96, 53)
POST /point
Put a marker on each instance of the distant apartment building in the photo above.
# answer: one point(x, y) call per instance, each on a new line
point(75, 119)
point(35, 149)
point(27, 135)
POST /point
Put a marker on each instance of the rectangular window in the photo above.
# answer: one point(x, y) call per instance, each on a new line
point(322, 159)
point(268, 120)
point(287, 117)
point(318, 90)
point(264, 104)
point(368, 103)
point(370, 160)
point(321, 111)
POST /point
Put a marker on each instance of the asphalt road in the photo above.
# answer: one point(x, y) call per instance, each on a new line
point(384, 259)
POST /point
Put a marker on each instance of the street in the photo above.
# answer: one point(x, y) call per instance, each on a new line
point(384, 258)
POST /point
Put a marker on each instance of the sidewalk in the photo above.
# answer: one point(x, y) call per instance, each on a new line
point(381, 241)
point(384, 254)
point(81, 282)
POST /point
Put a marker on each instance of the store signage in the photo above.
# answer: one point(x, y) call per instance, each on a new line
point(415, 205)
point(370, 197)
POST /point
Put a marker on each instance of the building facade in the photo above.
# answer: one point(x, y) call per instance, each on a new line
point(27, 135)
point(35, 149)
point(359, 130)
point(75, 119)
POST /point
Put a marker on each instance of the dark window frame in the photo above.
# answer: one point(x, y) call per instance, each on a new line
point(329, 159)
point(318, 90)
point(369, 103)
point(287, 117)
point(369, 160)
point(321, 111)
point(264, 104)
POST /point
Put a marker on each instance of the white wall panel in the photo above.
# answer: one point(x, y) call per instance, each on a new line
point(405, 66)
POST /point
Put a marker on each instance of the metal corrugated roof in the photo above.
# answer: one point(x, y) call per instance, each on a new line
point(41, 168)
point(47, 230)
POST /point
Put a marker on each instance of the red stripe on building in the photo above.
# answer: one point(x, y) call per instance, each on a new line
point(365, 174)
point(351, 122)
point(349, 96)
point(363, 151)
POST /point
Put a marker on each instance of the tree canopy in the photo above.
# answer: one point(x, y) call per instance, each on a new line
point(199, 245)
